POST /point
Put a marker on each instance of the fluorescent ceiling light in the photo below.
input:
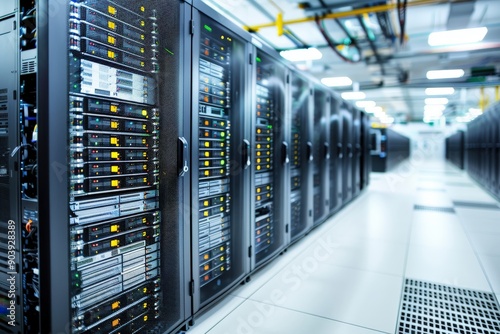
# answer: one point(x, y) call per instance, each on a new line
point(434, 108)
point(353, 95)
point(302, 54)
point(460, 36)
point(336, 81)
point(374, 109)
point(440, 91)
point(366, 104)
point(436, 100)
point(445, 74)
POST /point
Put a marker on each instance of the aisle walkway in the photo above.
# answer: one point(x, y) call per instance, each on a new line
point(424, 230)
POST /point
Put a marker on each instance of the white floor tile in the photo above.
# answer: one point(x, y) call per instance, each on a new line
point(364, 298)
point(358, 253)
point(488, 244)
point(491, 265)
point(446, 266)
point(438, 230)
point(258, 318)
point(215, 314)
point(433, 198)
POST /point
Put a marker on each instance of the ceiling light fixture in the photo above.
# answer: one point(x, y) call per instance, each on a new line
point(336, 81)
point(440, 91)
point(353, 95)
point(445, 74)
point(460, 36)
point(436, 100)
point(366, 104)
point(302, 54)
point(374, 109)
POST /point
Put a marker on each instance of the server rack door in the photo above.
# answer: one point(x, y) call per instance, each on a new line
point(270, 168)
point(348, 154)
point(220, 193)
point(117, 231)
point(10, 187)
point(321, 154)
point(356, 145)
point(336, 158)
point(301, 158)
point(365, 150)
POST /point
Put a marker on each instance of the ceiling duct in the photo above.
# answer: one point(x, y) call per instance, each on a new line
point(460, 14)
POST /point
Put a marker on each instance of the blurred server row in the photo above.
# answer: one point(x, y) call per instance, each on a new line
point(389, 148)
point(482, 149)
point(455, 149)
point(152, 156)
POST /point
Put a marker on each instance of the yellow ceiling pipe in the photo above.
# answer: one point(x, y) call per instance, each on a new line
point(354, 12)
point(497, 93)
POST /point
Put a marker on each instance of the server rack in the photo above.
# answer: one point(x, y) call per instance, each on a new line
point(301, 199)
point(365, 150)
point(100, 139)
point(348, 154)
point(455, 149)
point(357, 152)
point(221, 146)
point(337, 156)
point(321, 154)
point(391, 149)
point(270, 181)
point(10, 176)
point(483, 149)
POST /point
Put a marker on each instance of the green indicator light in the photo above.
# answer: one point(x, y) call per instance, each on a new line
point(96, 102)
point(223, 162)
point(222, 134)
point(269, 126)
point(207, 27)
point(258, 59)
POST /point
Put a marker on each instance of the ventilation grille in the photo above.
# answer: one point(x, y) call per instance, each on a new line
point(476, 205)
point(434, 208)
point(28, 66)
point(439, 309)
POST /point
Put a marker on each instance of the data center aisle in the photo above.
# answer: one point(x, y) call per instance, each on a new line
point(423, 229)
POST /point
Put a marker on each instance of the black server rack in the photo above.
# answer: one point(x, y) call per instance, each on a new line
point(483, 149)
point(98, 135)
point(321, 154)
point(221, 148)
point(455, 149)
point(348, 153)
point(10, 177)
point(391, 148)
point(337, 155)
point(365, 150)
point(270, 172)
point(357, 151)
point(301, 204)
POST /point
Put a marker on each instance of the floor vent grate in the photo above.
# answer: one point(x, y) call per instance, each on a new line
point(433, 208)
point(440, 309)
point(476, 205)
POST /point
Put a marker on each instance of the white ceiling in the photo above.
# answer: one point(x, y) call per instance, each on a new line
point(402, 99)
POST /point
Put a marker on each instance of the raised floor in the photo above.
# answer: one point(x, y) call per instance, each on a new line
point(417, 252)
